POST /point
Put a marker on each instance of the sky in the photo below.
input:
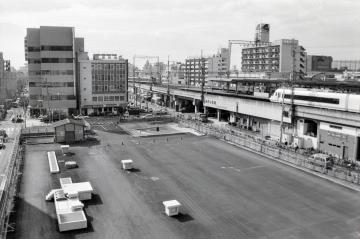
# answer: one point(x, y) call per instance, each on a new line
point(182, 28)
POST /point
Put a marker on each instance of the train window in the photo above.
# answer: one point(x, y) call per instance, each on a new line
point(314, 99)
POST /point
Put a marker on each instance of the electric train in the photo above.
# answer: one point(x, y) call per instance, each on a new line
point(318, 98)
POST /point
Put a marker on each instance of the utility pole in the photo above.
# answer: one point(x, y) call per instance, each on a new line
point(202, 78)
point(291, 84)
point(168, 83)
point(293, 77)
point(282, 110)
point(134, 87)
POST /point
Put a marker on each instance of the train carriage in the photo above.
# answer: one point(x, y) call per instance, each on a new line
point(318, 98)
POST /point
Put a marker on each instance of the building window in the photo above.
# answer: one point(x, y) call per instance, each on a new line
point(94, 98)
point(56, 60)
point(33, 49)
point(56, 48)
point(122, 98)
point(100, 98)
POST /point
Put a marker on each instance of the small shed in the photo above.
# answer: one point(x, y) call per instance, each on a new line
point(69, 131)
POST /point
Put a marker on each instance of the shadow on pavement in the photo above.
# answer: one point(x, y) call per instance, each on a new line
point(183, 217)
point(134, 170)
point(95, 200)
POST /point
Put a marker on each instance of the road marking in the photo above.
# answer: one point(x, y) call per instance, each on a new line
point(154, 178)
point(241, 170)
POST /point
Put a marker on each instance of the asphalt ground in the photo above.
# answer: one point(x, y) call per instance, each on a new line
point(226, 192)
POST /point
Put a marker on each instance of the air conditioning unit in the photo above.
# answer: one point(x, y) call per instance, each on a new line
point(287, 138)
point(298, 142)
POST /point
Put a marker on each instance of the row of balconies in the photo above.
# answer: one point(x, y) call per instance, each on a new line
point(261, 62)
point(266, 68)
point(259, 51)
point(260, 56)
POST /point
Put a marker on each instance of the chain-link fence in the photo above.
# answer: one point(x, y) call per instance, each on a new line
point(9, 185)
point(249, 141)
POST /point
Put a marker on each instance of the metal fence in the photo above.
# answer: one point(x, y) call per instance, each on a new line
point(267, 148)
point(9, 186)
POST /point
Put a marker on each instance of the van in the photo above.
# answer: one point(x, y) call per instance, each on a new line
point(321, 160)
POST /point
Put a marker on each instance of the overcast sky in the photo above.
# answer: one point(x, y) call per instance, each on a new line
point(181, 28)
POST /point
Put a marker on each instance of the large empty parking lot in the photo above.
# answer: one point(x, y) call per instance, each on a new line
point(226, 192)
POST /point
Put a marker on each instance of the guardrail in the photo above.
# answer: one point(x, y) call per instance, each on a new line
point(9, 186)
point(261, 146)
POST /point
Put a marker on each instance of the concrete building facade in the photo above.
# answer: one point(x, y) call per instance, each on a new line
point(51, 55)
point(218, 64)
point(8, 80)
point(318, 63)
point(340, 141)
point(103, 83)
point(195, 70)
point(262, 33)
point(176, 73)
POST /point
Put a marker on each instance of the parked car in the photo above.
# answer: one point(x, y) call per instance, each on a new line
point(80, 116)
point(71, 164)
point(2, 143)
point(147, 116)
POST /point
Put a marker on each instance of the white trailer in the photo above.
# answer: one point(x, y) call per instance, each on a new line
point(127, 164)
point(171, 207)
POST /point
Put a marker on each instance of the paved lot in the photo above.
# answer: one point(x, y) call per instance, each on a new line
point(226, 193)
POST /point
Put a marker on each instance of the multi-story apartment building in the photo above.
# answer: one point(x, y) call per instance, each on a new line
point(218, 65)
point(283, 56)
point(195, 70)
point(103, 83)
point(51, 55)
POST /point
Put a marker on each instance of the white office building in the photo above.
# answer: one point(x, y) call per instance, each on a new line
point(51, 55)
point(103, 83)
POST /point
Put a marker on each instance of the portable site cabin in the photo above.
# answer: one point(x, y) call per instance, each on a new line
point(69, 131)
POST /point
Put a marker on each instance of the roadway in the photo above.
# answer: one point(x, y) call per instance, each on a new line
point(12, 130)
point(226, 192)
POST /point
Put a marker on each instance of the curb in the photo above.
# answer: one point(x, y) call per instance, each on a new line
point(328, 178)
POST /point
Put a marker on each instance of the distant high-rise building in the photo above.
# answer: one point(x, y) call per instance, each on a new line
point(176, 73)
point(318, 63)
point(195, 70)
point(283, 56)
point(7, 80)
point(262, 33)
point(350, 65)
point(103, 83)
point(51, 54)
point(218, 65)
